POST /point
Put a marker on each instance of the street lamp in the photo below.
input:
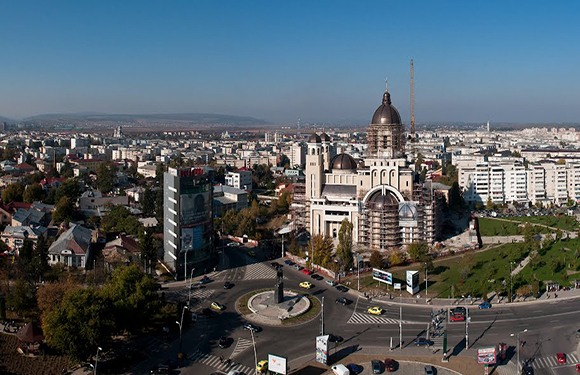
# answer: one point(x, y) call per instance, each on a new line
point(180, 324)
point(518, 346)
point(190, 283)
point(97, 359)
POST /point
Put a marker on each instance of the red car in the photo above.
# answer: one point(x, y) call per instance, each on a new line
point(561, 357)
point(391, 365)
point(457, 318)
point(578, 368)
point(307, 271)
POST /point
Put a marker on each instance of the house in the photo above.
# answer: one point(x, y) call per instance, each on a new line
point(92, 202)
point(149, 222)
point(51, 183)
point(14, 236)
point(30, 216)
point(227, 198)
point(72, 248)
point(24, 168)
point(122, 251)
point(135, 193)
point(8, 210)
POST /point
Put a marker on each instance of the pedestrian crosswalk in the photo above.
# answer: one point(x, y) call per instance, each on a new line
point(358, 318)
point(242, 345)
point(258, 271)
point(217, 362)
point(198, 295)
point(154, 345)
point(538, 363)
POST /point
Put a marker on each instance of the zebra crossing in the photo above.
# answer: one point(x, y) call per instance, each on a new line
point(257, 271)
point(215, 362)
point(198, 295)
point(538, 363)
point(242, 345)
point(358, 318)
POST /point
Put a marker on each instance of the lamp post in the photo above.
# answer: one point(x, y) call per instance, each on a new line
point(190, 283)
point(518, 346)
point(97, 359)
point(254, 344)
point(426, 298)
point(180, 324)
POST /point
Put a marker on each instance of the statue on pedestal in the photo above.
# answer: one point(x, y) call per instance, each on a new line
point(279, 287)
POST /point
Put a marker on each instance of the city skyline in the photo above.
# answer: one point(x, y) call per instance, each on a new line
point(320, 62)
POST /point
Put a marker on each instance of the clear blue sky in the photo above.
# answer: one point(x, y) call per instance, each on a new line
point(514, 61)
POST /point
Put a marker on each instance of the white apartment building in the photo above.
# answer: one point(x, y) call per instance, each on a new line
point(240, 179)
point(297, 154)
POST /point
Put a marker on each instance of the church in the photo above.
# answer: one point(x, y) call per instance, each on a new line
point(381, 195)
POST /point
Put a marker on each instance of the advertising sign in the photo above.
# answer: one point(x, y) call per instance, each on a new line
point(322, 349)
point(486, 356)
point(195, 208)
point(277, 364)
point(382, 276)
point(412, 282)
point(397, 286)
point(408, 214)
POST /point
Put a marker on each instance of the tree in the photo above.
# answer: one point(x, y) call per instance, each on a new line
point(321, 249)
point(106, 173)
point(419, 251)
point(21, 298)
point(344, 249)
point(489, 204)
point(148, 251)
point(83, 321)
point(13, 193)
point(70, 189)
point(50, 295)
point(64, 211)
point(396, 259)
point(119, 219)
point(148, 203)
point(377, 260)
point(33, 193)
point(159, 171)
point(559, 235)
point(455, 197)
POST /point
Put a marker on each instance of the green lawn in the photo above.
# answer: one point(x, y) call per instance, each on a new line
point(568, 223)
point(493, 227)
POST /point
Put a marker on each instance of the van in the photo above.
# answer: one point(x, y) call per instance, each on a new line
point(340, 370)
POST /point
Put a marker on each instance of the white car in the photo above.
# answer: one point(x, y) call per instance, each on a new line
point(331, 282)
point(340, 370)
point(233, 244)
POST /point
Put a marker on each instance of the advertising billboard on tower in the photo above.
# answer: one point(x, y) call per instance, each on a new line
point(412, 282)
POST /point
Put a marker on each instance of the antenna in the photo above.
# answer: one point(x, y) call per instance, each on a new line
point(412, 99)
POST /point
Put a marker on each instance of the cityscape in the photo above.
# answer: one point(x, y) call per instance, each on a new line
point(226, 212)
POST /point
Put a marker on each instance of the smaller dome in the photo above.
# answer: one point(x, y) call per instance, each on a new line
point(380, 201)
point(314, 138)
point(343, 162)
point(324, 137)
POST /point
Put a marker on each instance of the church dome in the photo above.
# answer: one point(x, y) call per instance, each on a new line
point(343, 162)
point(381, 201)
point(324, 137)
point(314, 138)
point(386, 113)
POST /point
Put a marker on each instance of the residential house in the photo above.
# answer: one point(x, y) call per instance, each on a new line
point(14, 236)
point(72, 248)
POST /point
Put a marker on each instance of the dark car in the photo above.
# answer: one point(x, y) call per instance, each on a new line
point(354, 368)
point(391, 365)
point(276, 265)
point(289, 262)
point(204, 280)
point(343, 301)
point(251, 327)
point(335, 338)
point(527, 370)
point(228, 285)
point(224, 342)
point(341, 288)
point(377, 366)
point(421, 341)
point(429, 370)
point(161, 370)
point(317, 277)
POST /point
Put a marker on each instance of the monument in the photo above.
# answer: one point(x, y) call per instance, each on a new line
point(279, 288)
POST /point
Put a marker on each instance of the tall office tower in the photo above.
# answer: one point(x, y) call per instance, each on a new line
point(188, 220)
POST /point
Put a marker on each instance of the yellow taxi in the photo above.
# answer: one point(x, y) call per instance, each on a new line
point(262, 366)
point(375, 310)
point(217, 306)
point(306, 285)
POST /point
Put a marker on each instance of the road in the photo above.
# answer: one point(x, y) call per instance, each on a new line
point(551, 325)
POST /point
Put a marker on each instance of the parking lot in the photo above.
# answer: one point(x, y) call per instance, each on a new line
point(405, 368)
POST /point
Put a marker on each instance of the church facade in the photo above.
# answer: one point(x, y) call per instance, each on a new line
point(381, 196)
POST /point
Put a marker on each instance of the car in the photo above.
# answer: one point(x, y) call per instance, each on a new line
point(354, 368)
point(306, 285)
point(460, 310)
point(391, 365)
point(377, 366)
point(343, 301)
point(578, 333)
point(331, 282)
point(307, 271)
point(251, 327)
point(228, 285)
point(335, 338)
point(527, 370)
point(340, 370)
point(262, 366)
point(235, 372)
point(276, 265)
point(429, 370)
point(578, 368)
point(421, 341)
point(561, 357)
point(161, 370)
point(217, 306)
point(251, 253)
point(224, 342)
point(205, 280)
point(457, 318)
point(289, 262)
point(342, 289)
point(298, 267)
point(375, 310)
point(485, 305)
point(317, 277)
point(233, 244)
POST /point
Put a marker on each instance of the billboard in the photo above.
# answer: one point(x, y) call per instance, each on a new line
point(408, 214)
point(195, 208)
point(486, 356)
point(412, 282)
point(382, 276)
point(322, 349)
point(277, 364)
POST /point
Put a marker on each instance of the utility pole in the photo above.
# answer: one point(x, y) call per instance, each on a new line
point(401, 327)
point(426, 298)
point(518, 347)
point(190, 283)
point(180, 324)
point(322, 328)
point(97, 359)
point(467, 329)
point(254, 344)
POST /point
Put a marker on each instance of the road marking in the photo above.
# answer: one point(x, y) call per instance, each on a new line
point(358, 318)
point(214, 361)
point(241, 345)
point(573, 357)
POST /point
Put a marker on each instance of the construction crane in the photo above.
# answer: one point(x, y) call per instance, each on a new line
point(412, 100)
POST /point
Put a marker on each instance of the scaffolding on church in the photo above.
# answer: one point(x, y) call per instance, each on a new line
point(300, 207)
point(380, 223)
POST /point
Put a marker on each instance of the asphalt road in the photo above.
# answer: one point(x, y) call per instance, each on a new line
point(551, 325)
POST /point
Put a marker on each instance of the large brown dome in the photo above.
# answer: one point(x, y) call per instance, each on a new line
point(386, 113)
point(343, 162)
point(380, 201)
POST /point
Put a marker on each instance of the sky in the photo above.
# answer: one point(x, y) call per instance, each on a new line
point(320, 61)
